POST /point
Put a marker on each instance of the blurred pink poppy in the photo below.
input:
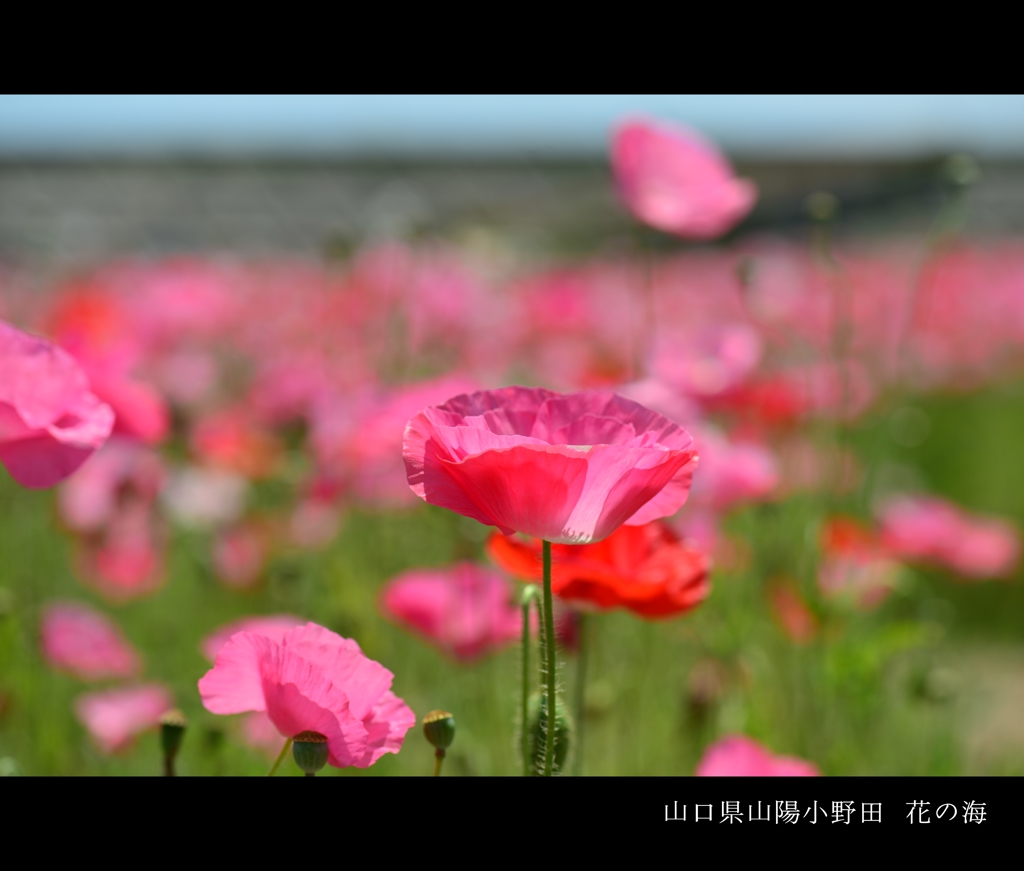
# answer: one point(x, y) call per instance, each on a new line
point(739, 756)
point(731, 472)
point(123, 468)
point(273, 626)
point(939, 532)
point(311, 680)
point(708, 361)
point(675, 180)
point(239, 554)
point(50, 421)
point(126, 560)
point(465, 610)
point(114, 717)
point(569, 468)
point(79, 640)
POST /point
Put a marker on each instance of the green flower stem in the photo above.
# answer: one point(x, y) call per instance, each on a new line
point(580, 688)
point(550, 663)
point(529, 596)
point(438, 759)
point(284, 751)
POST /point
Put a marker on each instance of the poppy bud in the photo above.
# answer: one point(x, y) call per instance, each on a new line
point(172, 731)
point(310, 751)
point(538, 726)
point(439, 727)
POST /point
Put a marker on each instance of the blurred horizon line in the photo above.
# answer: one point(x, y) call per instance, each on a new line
point(515, 128)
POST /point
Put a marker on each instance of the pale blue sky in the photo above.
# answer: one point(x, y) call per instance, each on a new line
point(746, 126)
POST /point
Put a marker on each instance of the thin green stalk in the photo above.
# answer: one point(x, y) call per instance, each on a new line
point(580, 694)
point(548, 646)
point(438, 759)
point(529, 595)
point(284, 750)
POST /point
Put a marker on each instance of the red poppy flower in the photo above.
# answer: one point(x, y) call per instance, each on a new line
point(645, 569)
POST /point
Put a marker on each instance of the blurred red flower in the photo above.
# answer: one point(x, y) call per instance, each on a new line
point(645, 569)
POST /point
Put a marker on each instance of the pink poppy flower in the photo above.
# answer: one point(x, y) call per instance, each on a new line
point(732, 472)
point(114, 717)
point(569, 468)
point(239, 554)
point(673, 179)
point(85, 643)
point(739, 756)
point(465, 610)
point(50, 421)
point(937, 531)
point(311, 680)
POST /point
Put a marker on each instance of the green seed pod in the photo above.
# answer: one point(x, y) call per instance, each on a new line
point(439, 727)
point(537, 721)
point(310, 751)
point(172, 731)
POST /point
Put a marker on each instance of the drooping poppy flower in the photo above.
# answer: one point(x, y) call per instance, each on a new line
point(566, 468)
point(645, 569)
point(114, 717)
point(739, 756)
point(939, 532)
point(50, 420)
point(79, 640)
point(675, 180)
point(311, 680)
point(465, 610)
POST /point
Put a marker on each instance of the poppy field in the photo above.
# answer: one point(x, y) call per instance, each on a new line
point(698, 502)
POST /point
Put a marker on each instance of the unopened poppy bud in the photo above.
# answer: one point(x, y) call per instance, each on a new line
point(172, 730)
point(439, 727)
point(538, 725)
point(310, 751)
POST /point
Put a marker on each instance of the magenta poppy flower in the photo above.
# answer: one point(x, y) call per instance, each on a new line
point(569, 469)
point(739, 756)
point(85, 643)
point(50, 421)
point(114, 717)
point(311, 679)
point(465, 610)
point(673, 179)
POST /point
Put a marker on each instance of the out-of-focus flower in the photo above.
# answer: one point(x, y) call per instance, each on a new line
point(230, 440)
point(50, 420)
point(645, 569)
point(673, 179)
point(855, 566)
point(85, 643)
point(273, 626)
point(939, 532)
point(114, 717)
point(311, 680)
point(790, 611)
point(97, 329)
point(122, 469)
point(739, 756)
point(199, 497)
point(568, 469)
point(361, 442)
point(239, 554)
point(465, 610)
point(731, 472)
point(709, 361)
